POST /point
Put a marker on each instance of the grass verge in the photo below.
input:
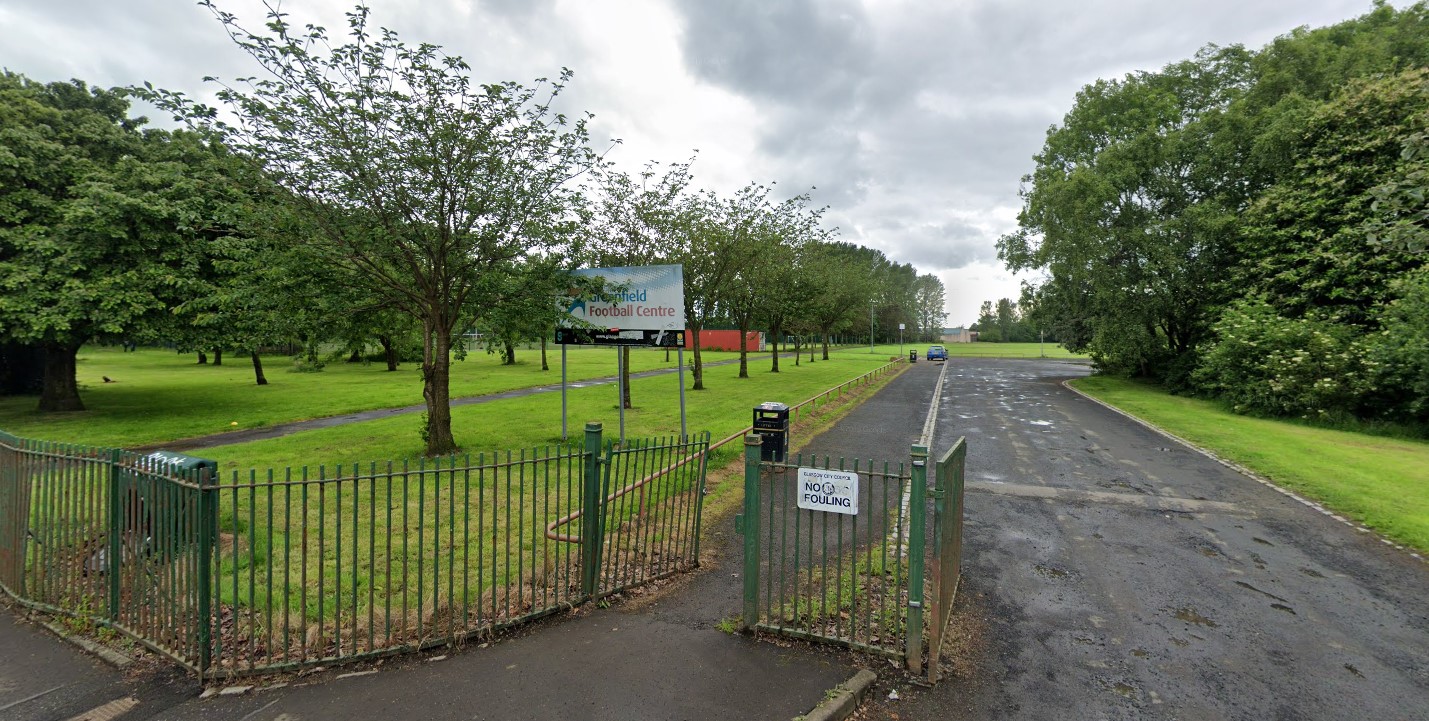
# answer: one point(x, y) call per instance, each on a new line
point(1380, 482)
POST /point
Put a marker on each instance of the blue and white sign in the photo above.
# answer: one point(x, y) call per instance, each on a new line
point(648, 309)
point(653, 299)
point(828, 491)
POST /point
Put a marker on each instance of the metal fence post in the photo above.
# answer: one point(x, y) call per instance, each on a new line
point(917, 500)
point(116, 527)
point(207, 547)
point(591, 511)
point(748, 524)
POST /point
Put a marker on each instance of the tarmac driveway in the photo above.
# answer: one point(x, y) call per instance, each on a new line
point(1111, 573)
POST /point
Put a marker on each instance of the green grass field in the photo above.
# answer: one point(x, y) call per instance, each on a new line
point(159, 395)
point(1381, 482)
point(1005, 350)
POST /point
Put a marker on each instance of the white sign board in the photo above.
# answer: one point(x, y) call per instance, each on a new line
point(902, 326)
point(653, 298)
point(830, 491)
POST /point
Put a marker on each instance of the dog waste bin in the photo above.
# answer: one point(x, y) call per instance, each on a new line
point(771, 424)
point(912, 356)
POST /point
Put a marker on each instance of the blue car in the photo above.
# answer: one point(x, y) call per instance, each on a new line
point(937, 352)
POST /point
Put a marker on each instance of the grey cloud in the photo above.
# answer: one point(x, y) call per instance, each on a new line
point(802, 49)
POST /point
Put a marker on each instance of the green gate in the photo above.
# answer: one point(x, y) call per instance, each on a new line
point(836, 551)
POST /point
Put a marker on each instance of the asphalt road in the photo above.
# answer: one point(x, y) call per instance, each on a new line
point(1111, 573)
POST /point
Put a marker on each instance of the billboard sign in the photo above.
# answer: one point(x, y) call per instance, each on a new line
point(645, 306)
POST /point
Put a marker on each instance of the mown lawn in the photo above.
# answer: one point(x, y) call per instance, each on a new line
point(159, 395)
point(1380, 482)
point(1005, 350)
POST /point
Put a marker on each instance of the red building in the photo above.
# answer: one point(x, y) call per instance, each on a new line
point(725, 340)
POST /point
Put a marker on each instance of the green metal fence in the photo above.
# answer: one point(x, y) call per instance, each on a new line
point(853, 579)
point(113, 536)
point(278, 570)
point(947, 548)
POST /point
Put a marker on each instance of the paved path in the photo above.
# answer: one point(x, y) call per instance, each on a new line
point(278, 430)
point(1111, 573)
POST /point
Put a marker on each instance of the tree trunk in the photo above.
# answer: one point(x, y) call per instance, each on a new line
point(544, 365)
point(625, 376)
point(743, 353)
point(697, 369)
point(774, 333)
point(798, 351)
point(356, 356)
point(258, 376)
point(388, 352)
point(508, 355)
point(436, 390)
point(826, 345)
point(60, 391)
point(202, 358)
point(218, 356)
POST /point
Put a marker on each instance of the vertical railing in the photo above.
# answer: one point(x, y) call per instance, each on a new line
point(262, 572)
point(650, 521)
point(947, 547)
point(747, 524)
point(917, 507)
point(841, 578)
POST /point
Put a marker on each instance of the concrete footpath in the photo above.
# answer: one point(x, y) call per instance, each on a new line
point(661, 656)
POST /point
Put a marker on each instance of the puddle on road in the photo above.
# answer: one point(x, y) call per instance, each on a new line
point(1189, 615)
point(1267, 594)
point(1051, 571)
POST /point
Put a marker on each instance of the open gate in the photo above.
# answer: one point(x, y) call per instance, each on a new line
point(836, 552)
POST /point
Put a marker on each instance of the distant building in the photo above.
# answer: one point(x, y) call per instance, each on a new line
point(959, 335)
point(727, 340)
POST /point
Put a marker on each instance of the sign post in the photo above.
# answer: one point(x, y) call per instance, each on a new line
point(641, 306)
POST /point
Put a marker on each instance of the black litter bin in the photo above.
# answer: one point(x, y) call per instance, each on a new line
point(771, 424)
point(912, 356)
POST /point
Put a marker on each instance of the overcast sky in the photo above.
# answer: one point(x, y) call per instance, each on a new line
point(914, 120)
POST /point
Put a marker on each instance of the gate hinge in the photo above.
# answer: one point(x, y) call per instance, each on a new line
point(739, 523)
point(937, 493)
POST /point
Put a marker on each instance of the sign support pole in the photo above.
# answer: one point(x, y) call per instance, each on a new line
point(620, 388)
point(680, 363)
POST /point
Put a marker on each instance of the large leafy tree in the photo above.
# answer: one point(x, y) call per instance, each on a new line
point(1125, 212)
point(453, 177)
point(102, 223)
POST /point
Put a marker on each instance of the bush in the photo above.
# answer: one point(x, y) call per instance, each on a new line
point(1397, 357)
point(1262, 362)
